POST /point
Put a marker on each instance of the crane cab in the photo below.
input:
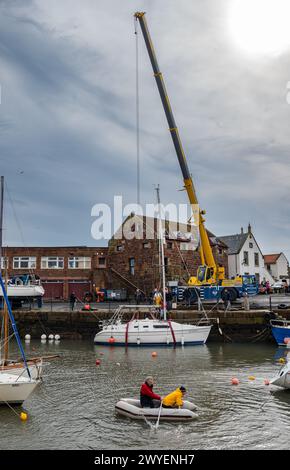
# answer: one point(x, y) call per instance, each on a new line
point(205, 275)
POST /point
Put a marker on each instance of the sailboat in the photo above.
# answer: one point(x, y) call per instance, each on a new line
point(282, 379)
point(15, 388)
point(151, 331)
point(26, 286)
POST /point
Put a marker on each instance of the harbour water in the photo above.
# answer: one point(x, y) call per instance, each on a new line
point(74, 407)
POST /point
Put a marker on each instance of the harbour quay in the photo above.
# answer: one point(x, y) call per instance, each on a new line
point(234, 325)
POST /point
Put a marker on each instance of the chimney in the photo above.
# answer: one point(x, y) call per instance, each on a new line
point(242, 230)
point(249, 228)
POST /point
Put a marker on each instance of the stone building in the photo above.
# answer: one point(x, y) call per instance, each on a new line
point(131, 260)
point(62, 270)
point(134, 261)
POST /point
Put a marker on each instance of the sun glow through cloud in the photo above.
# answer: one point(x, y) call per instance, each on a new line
point(261, 27)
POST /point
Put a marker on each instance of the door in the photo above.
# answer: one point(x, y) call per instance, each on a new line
point(53, 289)
point(79, 288)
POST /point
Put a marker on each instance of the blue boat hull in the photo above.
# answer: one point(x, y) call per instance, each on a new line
point(280, 333)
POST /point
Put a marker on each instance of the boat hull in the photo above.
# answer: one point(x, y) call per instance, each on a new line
point(35, 369)
point(282, 379)
point(280, 333)
point(132, 409)
point(23, 291)
point(152, 333)
point(15, 391)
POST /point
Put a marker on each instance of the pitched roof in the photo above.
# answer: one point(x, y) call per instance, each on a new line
point(271, 259)
point(234, 242)
point(148, 228)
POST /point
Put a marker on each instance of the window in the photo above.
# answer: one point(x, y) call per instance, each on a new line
point(184, 246)
point(101, 262)
point(24, 262)
point(146, 245)
point(221, 251)
point(79, 262)
point(119, 248)
point(246, 258)
point(51, 262)
point(169, 245)
point(256, 259)
point(166, 263)
point(251, 245)
point(132, 266)
point(4, 264)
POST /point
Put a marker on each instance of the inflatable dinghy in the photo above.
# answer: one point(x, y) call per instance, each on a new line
point(132, 409)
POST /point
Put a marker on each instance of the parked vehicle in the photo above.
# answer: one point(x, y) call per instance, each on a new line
point(247, 285)
point(279, 286)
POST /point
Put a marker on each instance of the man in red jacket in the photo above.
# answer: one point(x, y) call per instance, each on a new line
point(146, 393)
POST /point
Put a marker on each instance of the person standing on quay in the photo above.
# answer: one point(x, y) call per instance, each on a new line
point(72, 301)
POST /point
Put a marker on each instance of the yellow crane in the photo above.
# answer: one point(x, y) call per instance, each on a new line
point(208, 272)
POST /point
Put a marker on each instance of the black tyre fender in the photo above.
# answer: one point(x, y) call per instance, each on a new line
point(191, 295)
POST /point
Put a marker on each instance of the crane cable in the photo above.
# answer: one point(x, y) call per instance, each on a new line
point(137, 111)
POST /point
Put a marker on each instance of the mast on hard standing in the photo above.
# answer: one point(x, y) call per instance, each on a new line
point(161, 251)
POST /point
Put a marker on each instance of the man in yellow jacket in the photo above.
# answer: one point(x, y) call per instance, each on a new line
point(174, 399)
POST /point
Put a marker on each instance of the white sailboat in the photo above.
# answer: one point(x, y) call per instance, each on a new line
point(35, 366)
point(17, 382)
point(151, 331)
point(282, 379)
point(15, 387)
point(24, 287)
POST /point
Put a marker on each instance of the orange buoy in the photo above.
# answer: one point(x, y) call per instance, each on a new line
point(235, 381)
point(98, 362)
point(286, 340)
point(87, 307)
point(251, 377)
point(154, 354)
point(267, 382)
point(111, 340)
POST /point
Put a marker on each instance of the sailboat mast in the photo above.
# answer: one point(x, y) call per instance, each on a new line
point(1, 218)
point(161, 251)
point(4, 264)
point(6, 318)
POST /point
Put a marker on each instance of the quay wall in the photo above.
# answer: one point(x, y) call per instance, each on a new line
point(231, 326)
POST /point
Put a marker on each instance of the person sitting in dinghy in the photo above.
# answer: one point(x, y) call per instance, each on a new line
point(174, 399)
point(146, 393)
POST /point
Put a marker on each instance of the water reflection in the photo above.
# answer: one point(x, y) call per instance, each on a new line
point(74, 407)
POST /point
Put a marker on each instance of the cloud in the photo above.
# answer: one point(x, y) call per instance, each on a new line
point(67, 117)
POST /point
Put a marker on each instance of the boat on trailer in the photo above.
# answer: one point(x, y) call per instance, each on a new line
point(131, 408)
point(149, 331)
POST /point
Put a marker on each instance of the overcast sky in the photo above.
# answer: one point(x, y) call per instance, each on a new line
point(67, 118)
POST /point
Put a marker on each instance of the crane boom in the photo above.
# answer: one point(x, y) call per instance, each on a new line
point(209, 272)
